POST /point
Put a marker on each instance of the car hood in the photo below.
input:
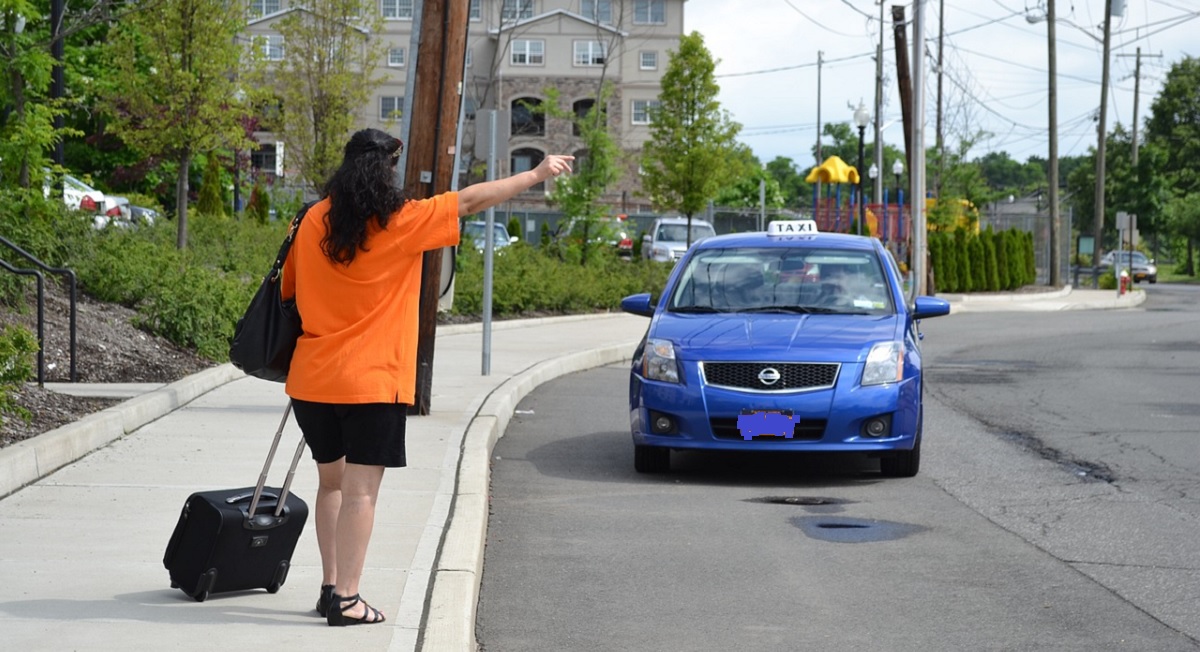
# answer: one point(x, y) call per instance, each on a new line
point(813, 338)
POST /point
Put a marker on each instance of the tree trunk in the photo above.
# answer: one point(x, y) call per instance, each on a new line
point(181, 198)
point(18, 92)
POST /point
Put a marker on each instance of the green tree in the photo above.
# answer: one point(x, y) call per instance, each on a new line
point(178, 97)
point(579, 193)
point(1183, 218)
point(742, 190)
point(790, 181)
point(327, 75)
point(691, 137)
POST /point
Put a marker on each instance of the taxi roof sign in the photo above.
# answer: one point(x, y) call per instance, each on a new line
point(792, 227)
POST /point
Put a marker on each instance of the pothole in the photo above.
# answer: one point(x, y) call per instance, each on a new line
point(809, 501)
point(854, 530)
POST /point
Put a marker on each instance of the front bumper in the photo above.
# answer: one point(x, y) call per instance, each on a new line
point(829, 420)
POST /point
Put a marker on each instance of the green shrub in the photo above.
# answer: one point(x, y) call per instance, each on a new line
point(978, 264)
point(259, 207)
point(17, 349)
point(195, 306)
point(1000, 242)
point(1108, 281)
point(211, 203)
point(962, 255)
point(989, 256)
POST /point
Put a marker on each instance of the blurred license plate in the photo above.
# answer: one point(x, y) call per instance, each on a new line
point(765, 423)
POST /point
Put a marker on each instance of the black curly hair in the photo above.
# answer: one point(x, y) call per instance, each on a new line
point(360, 190)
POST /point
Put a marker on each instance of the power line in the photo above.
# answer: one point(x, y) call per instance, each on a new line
point(796, 67)
point(814, 21)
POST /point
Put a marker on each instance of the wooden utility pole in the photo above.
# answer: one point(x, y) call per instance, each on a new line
point(1052, 173)
point(903, 79)
point(429, 167)
point(941, 136)
point(1137, 89)
point(1101, 146)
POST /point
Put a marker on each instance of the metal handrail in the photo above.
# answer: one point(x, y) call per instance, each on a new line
point(41, 317)
point(70, 275)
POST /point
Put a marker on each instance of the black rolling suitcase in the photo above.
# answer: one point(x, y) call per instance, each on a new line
point(238, 539)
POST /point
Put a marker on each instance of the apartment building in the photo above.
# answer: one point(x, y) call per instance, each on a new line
point(516, 49)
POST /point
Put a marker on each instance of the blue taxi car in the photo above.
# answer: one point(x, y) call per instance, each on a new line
point(791, 324)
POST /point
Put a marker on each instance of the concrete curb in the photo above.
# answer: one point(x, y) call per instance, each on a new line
point(37, 457)
point(454, 596)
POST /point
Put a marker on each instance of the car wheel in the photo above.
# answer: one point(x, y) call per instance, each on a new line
point(902, 464)
point(651, 459)
point(1153, 280)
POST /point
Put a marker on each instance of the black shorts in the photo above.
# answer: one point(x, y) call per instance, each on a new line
point(371, 434)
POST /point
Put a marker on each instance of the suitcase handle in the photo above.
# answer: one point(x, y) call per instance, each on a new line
point(262, 478)
point(240, 497)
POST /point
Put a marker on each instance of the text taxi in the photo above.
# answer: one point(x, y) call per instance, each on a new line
point(791, 324)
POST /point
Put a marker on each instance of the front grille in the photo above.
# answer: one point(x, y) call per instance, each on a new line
point(793, 376)
point(803, 430)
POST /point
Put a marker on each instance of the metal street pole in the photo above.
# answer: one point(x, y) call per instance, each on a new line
point(916, 170)
point(862, 204)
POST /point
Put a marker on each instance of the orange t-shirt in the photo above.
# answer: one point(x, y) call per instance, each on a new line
point(359, 343)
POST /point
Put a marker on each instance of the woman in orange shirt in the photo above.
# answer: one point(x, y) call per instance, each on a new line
point(355, 270)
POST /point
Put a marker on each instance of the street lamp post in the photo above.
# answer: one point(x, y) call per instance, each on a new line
point(861, 118)
point(898, 169)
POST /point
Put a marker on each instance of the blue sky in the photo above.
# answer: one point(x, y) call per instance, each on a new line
point(996, 63)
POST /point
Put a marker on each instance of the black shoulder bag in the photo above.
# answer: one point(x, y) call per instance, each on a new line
point(265, 337)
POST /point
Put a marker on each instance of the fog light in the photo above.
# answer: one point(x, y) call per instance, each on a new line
point(877, 426)
point(661, 424)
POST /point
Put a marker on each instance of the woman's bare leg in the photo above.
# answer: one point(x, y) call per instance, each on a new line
point(355, 520)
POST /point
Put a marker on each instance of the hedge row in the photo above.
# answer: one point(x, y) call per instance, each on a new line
point(989, 261)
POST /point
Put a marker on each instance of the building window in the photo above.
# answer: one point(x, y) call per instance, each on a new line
point(402, 9)
point(390, 107)
point(474, 13)
point(525, 159)
point(649, 12)
point(525, 120)
point(516, 9)
point(260, 8)
point(581, 109)
point(527, 52)
point(272, 47)
point(467, 63)
point(648, 60)
point(396, 57)
point(263, 158)
point(589, 53)
point(597, 10)
point(643, 110)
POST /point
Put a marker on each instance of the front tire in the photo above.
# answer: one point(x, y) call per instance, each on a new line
point(902, 464)
point(651, 459)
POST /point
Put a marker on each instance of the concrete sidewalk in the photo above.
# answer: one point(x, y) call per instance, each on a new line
point(89, 507)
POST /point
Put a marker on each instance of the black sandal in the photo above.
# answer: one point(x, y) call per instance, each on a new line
point(337, 616)
point(325, 599)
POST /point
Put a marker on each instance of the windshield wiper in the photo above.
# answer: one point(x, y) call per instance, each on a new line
point(793, 310)
point(696, 309)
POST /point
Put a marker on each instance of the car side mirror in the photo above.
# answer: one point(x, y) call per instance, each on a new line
point(638, 304)
point(926, 307)
point(512, 239)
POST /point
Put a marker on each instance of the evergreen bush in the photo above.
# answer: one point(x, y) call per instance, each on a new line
point(1000, 241)
point(18, 347)
point(211, 203)
point(989, 256)
point(978, 264)
point(962, 255)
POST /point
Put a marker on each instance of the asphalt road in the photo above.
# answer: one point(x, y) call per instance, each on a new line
point(1002, 543)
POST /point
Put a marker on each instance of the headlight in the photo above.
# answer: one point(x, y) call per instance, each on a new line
point(885, 364)
point(658, 361)
point(660, 253)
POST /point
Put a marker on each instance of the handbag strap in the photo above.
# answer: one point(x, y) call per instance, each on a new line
point(287, 241)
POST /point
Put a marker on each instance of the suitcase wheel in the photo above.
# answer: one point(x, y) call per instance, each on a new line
point(174, 585)
point(206, 583)
point(281, 573)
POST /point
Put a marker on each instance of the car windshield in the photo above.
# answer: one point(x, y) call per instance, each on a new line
point(476, 231)
point(679, 232)
point(783, 280)
point(1138, 257)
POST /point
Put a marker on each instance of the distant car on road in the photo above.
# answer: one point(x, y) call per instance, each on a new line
point(1142, 269)
point(610, 230)
point(475, 232)
point(789, 340)
point(668, 239)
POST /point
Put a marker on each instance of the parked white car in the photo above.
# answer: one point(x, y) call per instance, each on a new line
point(668, 238)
